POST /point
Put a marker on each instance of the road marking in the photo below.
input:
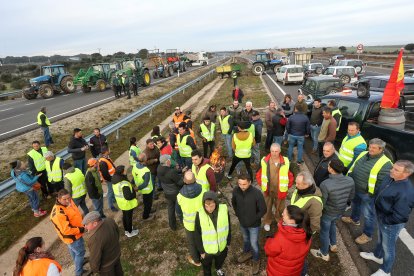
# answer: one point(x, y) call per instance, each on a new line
point(6, 109)
point(11, 117)
point(65, 95)
point(407, 240)
point(277, 85)
point(49, 99)
point(29, 103)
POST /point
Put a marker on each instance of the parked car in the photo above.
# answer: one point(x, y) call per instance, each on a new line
point(313, 68)
point(347, 74)
point(285, 60)
point(358, 64)
point(316, 87)
point(409, 73)
point(290, 73)
point(334, 58)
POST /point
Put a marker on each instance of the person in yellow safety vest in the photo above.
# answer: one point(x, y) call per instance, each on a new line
point(54, 169)
point(242, 144)
point(207, 132)
point(226, 126)
point(185, 145)
point(143, 180)
point(336, 113)
point(308, 198)
point(125, 195)
point(44, 123)
point(352, 145)
point(212, 233)
point(189, 123)
point(75, 185)
point(369, 168)
point(275, 179)
point(190, 201)
point(134, 151)
point(203, 172)
point(125, 85)
point(37, 166)
point(107, 170)
point(178, 117)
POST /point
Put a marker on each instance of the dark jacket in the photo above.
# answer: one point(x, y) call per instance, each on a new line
point(321, 170)
point(246, 116)
point(104, 247)
point(93, 184)
point(171, 182)
point(316, 116)
point(249, 206)
point(302, 107)
point(288, 108)
point(258, 127)
point(74, 147)
point(96, 144)
point(278, 125)
point(235, 113)
point(153, 159)
point(394, 200)
point(128, 194)
point(337, 190)
point(213, 217)
point(298, 124)
point(191, 190)
point(43, 120)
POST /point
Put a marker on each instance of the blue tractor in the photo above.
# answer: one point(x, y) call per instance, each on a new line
point(54, 79)
point(265, 61)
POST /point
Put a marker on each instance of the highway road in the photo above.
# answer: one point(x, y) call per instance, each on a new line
point(19, 116)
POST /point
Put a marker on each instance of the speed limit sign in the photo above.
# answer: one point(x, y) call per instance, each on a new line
point(360, 47)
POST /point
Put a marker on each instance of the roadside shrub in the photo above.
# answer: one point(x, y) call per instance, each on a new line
point(2, 87)
point(6, 77)
point(19, 84)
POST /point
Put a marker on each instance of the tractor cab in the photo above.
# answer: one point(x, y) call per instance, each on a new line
point(263, 57)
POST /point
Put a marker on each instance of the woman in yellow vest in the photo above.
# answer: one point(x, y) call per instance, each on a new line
point(33, 259)
point(212, 233)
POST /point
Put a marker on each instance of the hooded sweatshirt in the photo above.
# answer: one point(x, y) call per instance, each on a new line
point(213, 216)
point(191, 190)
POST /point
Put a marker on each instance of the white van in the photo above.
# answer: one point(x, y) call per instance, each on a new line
point(290, 73)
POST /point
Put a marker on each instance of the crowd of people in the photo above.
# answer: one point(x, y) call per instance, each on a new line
point(298, 208)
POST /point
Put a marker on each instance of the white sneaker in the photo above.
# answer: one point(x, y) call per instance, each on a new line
point(130, 235)
point(267, 227)
point(318, 254)
point(371, 256)
point(135, 231)
point(380, 272)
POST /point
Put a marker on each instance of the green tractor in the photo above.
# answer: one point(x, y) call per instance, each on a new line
point(134, 69)
point(99, 75)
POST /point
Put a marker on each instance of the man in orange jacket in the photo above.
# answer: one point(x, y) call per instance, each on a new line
point(67, 220)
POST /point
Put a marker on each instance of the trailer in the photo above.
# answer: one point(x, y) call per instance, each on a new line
point(228, 70)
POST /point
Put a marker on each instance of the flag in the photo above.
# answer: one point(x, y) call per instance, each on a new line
point(395, 85)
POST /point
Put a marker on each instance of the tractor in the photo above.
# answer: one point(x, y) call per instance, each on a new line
point(98, 75)
point(265, 61)
point(175, 61)
point(134, 69)
point(162, 69)
point(54, 79)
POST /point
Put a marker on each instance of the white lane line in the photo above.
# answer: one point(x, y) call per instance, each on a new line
point(49, 99)
point(65, 95)
point(5, 109)
point(277, 85)
point(407, 240)
point(29, 103)
point(11, 117)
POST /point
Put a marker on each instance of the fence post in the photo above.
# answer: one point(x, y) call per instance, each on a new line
point(117, 134)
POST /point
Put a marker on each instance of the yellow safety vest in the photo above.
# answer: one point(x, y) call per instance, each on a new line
point(135, 149)
point(38, 158)
point(54, 174)
point(39, 122)
point(138, 175)
point(190, 206)
point(214, 241)
point(243, 148)
point(201, 176)
point(303, 200)
point(251, 129)
point(346, 152)
point(283, 175)
point(337, 111)
point(123, 203)
point(373, 174)
point(78, 183)
point(224, 124)
point(184, 149)
point(206, 133)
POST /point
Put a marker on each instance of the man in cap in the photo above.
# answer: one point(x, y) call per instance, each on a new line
point(54, 169)
point(94, 185)
point(77, 147)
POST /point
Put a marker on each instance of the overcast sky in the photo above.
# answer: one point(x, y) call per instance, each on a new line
point(82, 26)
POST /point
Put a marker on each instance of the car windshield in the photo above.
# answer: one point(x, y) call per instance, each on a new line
point(329, 71)
point(342, 63)
point(310, 85)
point(323, 86)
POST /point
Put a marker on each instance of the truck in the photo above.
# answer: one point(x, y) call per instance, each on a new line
point(265, 61)
point(224, 70)
point(99, 75)
point(197, 59)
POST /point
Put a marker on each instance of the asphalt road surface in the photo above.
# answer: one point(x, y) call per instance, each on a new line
point(19, 116)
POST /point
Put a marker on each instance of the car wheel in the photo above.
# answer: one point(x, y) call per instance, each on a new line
point(345, 79)
point(358, 69)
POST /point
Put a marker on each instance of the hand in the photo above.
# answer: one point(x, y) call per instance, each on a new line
point(39, 174)
point(203, 255)
point(307, 135)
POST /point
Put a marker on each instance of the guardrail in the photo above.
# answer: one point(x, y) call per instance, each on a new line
point(11, 93)
point(8, 186)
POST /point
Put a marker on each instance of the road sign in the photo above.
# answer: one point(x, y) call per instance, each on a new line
point(359, 51)
point(360, 47)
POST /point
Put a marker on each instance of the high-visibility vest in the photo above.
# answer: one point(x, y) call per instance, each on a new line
point(190, 206)
point(184, 149)
point(283, 175)
point(303, 200)
point(138, 175)
point(123, 203)
point(208, 134)
point(109, 163)
point(192, 135)
point(201, 176)
point(67, 221)
point(38, 267)
point(39, 121)
point(243, 147)
point(54, 174)
point(251, 129)
point(373, 174)
point(135, 149)
point(224, 124)
point(78, 183)
point(337, 111)
point(38, 158)
point(346, 152)
point(214, 240)
point(178, 119)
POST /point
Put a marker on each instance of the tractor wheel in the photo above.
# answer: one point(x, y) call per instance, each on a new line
point(86, 89)
point(67, 85)
point(345, 79)
point(258, 69)
point(146, 78)
point(170, 71)
point(100, 85)
point(46, 91)
point(275, 69)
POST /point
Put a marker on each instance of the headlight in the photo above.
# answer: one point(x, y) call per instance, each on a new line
point(34, 83)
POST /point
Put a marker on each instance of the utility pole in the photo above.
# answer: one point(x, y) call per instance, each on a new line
point(99, 50)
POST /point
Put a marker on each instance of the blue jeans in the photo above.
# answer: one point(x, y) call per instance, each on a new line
point(365, 202)
point(251, 240)
point(110, 195)
point(33, 200)
point(47, 136)
point(98, 205)
point(80, 164)
point(314, 134)
point(81, 202)
point(328, 232)
point(227, 142)
point(387, 238)
point(293, 140)
point(77, 251)
point(278, 140)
